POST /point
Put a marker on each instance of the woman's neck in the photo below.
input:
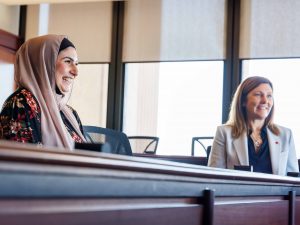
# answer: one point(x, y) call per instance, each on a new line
point(256, 126)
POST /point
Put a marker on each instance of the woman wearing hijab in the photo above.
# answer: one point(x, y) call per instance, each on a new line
point(37, 112)
point(250, 137)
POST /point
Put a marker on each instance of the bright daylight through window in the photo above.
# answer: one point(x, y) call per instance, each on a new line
point(174, 101)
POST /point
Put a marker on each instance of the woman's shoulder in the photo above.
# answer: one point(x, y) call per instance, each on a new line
point(22, 98)
point(283, 130)
point(224, 130)
point(282, 127)
point(225, 127)
point(21, 93)
point(16, 98)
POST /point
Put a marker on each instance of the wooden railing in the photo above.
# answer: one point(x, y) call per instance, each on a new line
point(9, 44)
point(52, 186)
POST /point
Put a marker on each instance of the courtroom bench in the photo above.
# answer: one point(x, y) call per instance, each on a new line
point(52, 186)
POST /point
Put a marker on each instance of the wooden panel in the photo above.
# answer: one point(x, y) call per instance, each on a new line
point(80, 174)
point(9, 41)
point(9, 44)
point(85, 211)
point(6, 56)
point(297, 210)
point(258, 212)
point(51, 186)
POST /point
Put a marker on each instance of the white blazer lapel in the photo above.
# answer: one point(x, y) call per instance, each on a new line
point(241, 148)
point(274, 146)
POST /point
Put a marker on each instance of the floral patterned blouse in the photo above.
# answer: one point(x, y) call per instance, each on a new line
point(20, 119)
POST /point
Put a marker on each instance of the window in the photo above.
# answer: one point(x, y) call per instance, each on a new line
point(6, 81)
point(174, 101)
point(89, 95)
point(173, 54)
point(284, 74)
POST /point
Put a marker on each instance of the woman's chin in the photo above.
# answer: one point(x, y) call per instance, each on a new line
point(65, 90)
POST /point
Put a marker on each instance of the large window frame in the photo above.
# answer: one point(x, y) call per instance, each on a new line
point(231, 77)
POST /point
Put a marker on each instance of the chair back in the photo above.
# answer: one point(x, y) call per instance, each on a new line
point(204, 143)
point(115, 141)
point(143, 144)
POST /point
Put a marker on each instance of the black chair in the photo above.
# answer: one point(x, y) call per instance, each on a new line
point(201, 141)
point(113, 141)
point(143, 144)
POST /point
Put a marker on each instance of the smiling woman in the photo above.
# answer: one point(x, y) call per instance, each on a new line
point(33, 114)
point(250, 137)
point(66, 66)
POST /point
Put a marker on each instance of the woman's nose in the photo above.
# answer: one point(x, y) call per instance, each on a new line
point(264, 98)
point(74, 70)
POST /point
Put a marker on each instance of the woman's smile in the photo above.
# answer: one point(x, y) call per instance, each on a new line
point(66, 69)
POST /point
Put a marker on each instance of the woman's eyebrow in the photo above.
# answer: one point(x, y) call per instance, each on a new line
point(70, 58)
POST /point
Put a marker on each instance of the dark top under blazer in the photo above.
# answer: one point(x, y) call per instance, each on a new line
point(228, 151)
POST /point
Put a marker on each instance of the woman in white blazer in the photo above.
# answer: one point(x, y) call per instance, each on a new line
point(250, 137)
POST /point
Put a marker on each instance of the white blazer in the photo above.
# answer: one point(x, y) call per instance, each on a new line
point(227, 151)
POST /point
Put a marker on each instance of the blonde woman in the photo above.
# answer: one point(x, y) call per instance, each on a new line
point(250, 137)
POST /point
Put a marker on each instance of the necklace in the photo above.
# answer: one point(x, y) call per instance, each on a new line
point(257, 141)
